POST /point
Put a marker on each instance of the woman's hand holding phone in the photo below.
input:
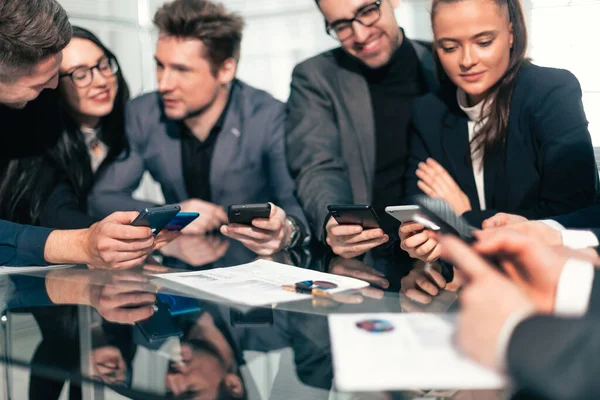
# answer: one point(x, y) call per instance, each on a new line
point(416, 240)
point(351, 241)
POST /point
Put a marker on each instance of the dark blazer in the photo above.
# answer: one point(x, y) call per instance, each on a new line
point(22, 245)
point(585, 218)
point(248, 166)
point(331, 131)
point(556, 358)
point(546, 166)
point(64, 209)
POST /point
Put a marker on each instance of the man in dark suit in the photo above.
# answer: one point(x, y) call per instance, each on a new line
point(348, 115)
point(505, 320)
point(209, 139)
point(29, 64)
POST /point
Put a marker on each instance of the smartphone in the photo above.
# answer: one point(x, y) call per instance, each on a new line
point(355, 214)
point(181, 220)
point(440, 213)
point(160, 325)
point(156, 217)
point(243, 214)
point(178, 305)
point(411, 213)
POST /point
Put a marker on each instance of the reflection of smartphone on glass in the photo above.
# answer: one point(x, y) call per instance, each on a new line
point(156, 217)
point(160, 325)
point(178, 305)
point(243, 214)
point(355, 214)
point(181, 220)
point(411, 214)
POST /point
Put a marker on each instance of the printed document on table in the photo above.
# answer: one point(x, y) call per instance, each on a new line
point(4, 270)
point(255, 284)
point(417, 353)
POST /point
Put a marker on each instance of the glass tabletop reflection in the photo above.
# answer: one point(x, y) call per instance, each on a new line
point(90, 333)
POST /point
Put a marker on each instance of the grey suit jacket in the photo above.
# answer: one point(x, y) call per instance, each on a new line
point(248, 166)
point(330, 131)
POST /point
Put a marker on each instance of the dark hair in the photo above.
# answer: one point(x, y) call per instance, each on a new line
point(494, 131)
point(219, 30)
point(29, 181)
point(29, 32)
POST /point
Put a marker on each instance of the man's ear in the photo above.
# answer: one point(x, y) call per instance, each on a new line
point(234, 385)
point(227, 71)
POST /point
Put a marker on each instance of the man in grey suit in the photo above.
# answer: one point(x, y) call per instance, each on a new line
point(348, 115)
point(207, 138)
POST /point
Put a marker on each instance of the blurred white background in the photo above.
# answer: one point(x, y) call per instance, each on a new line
point(281, 33)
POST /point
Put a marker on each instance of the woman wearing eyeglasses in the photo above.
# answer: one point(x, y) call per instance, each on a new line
point(51, 190)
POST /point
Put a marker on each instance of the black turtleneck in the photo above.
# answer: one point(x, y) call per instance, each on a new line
point(393, 88)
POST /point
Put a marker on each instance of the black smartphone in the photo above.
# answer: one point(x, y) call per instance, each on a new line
point(355, 214)
point(156, 218)
point(181, 220)
point(160, 325)
point(243, 214)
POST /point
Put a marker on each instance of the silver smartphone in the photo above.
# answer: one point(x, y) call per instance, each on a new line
point(411, 213)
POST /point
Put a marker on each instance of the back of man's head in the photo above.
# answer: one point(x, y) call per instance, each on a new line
point(30, 30)
point(219, 30)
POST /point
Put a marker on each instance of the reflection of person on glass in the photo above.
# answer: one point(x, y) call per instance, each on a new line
point(112, 354)
point(205, 366)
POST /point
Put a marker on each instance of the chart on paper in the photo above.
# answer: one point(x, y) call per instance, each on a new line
point(257, 283)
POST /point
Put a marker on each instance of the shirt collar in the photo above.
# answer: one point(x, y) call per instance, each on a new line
point(90, 135)
point(476, 112)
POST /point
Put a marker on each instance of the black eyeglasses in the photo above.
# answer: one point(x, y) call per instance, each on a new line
point(366, 16)
point(84, 76)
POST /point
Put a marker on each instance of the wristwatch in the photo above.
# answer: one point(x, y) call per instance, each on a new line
point(294, 236)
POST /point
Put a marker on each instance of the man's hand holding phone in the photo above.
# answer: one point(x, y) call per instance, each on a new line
point(351, 241)
point(265, 236)
point(211, 218)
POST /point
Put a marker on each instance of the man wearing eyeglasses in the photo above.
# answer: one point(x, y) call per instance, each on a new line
point(348, 115)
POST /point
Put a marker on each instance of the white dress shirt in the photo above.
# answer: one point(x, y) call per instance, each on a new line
point(96, 148)
point(475, 123)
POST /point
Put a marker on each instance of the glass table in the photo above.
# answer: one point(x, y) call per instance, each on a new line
point(71, 333)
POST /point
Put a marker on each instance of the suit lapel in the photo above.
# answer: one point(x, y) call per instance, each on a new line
point(355, 95)
point(227, 144)
point(492, 165)
point(172, 160)
point(455, 145)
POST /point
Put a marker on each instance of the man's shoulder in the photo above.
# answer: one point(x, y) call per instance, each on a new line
point(144, 116)
point(146, 103)
point(256, 100)
point(329, 60)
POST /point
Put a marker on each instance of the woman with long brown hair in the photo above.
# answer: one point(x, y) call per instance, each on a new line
point(502, 134)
